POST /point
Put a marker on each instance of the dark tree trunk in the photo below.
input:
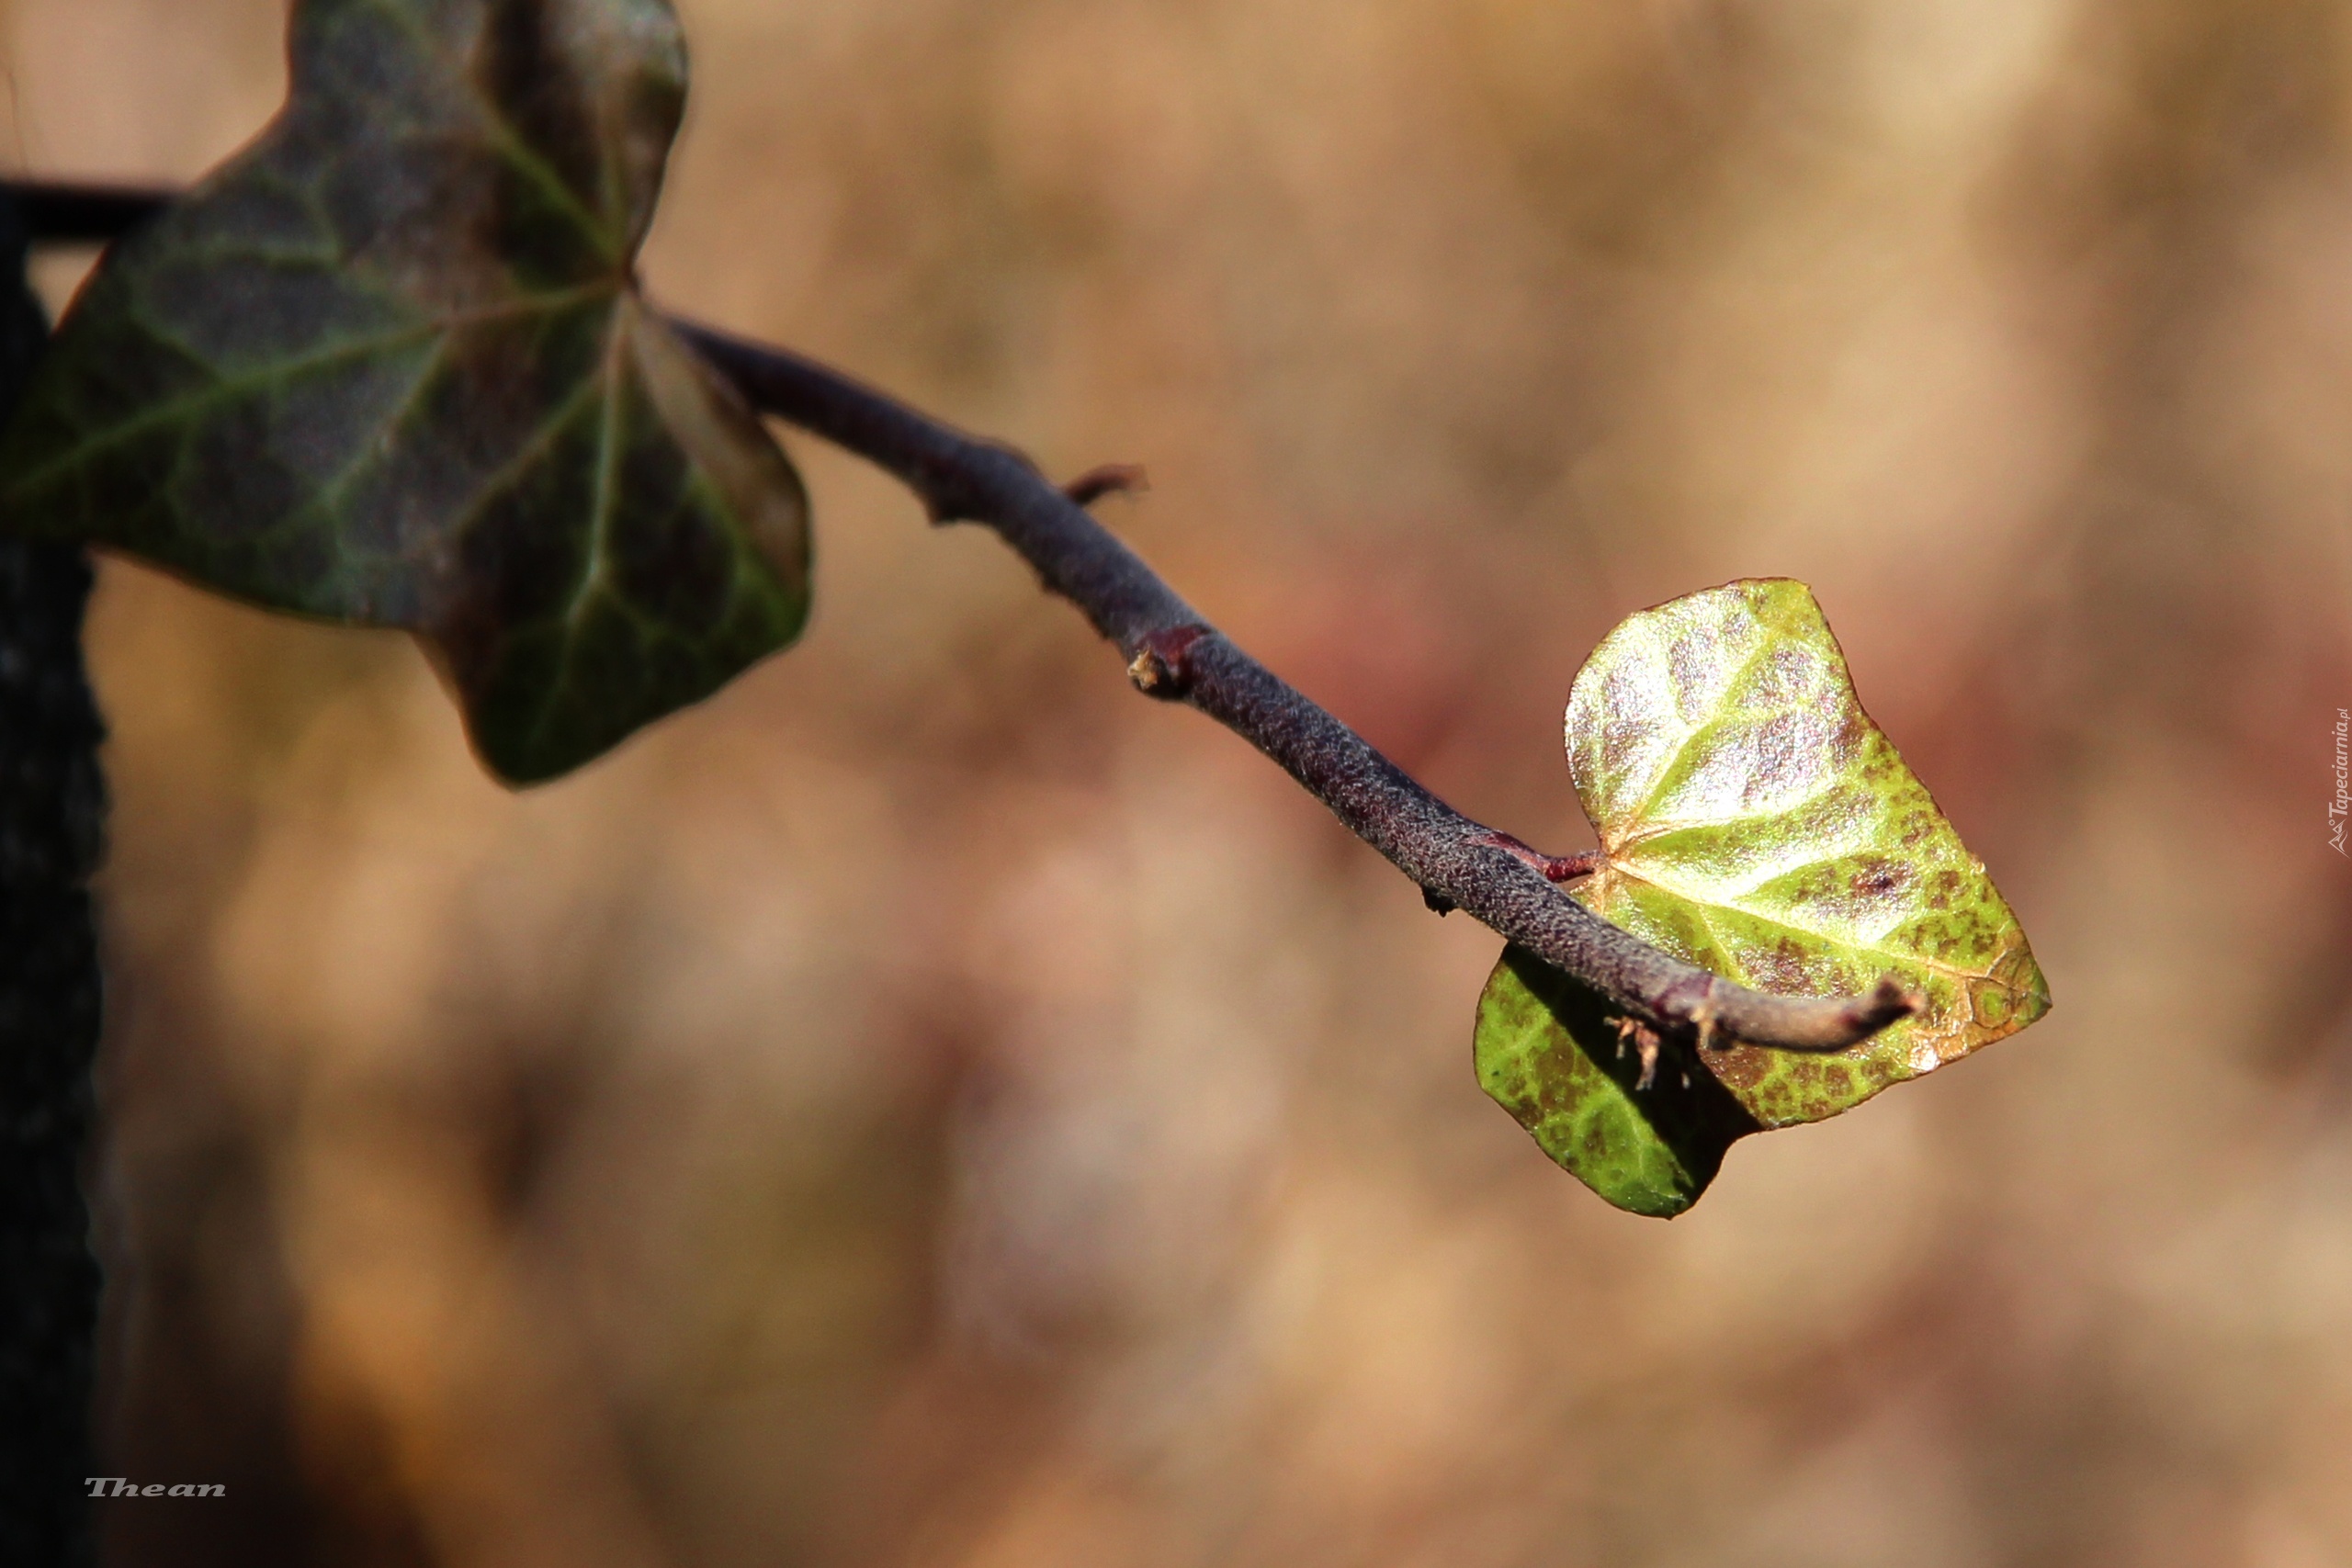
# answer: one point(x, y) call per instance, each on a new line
point(51, 814)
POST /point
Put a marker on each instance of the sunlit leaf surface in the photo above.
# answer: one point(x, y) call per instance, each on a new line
point(1752, 821)
point(389, 367)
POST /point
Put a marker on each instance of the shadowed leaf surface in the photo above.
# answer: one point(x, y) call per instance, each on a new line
point(1752, 820)
point(1550, 1053)
point(389, 367)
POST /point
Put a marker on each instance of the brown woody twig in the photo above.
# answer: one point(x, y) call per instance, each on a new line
point(1174, 654)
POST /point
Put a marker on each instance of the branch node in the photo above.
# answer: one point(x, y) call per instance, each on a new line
point(1438, 902)
point(1110, 478)
point(1160, 668)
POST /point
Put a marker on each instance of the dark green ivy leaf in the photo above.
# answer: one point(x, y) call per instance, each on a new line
point(1752, 821)
point(389, 367)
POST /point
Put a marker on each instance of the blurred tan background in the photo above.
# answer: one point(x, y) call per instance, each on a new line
point(929, 1107)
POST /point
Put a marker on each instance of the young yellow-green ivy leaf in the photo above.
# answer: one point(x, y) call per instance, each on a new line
point(1754, 822)
point(389, 367)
